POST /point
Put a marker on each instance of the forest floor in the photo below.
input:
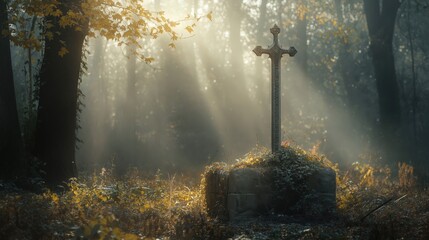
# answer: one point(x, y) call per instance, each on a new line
point(162, 206)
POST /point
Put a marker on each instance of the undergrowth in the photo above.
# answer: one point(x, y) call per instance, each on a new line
point(372, 204)
point(102, 207)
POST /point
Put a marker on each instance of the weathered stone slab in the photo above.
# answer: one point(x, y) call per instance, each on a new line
point(249, 193)
point(248, 180)
point(242, 205)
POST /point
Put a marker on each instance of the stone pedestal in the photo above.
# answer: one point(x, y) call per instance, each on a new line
point(248, 192)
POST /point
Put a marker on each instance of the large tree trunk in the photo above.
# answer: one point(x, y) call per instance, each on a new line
point(56, 120)
point(10, 133)
point(380, 16)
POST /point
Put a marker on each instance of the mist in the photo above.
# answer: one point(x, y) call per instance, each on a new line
point(153, 119)
point(208, 99)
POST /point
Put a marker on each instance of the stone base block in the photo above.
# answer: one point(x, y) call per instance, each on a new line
point(250, 192)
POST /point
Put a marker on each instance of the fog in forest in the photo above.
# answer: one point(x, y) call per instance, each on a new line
point(154, 119)
point(208, 99)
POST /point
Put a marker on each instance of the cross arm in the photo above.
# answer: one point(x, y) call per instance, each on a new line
point(259, 51)
point(291, 51)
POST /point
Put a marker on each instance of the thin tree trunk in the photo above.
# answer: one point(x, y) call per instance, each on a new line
point(302, 46)
point(57, 112)
point(28, 131)
point(235, 17)
point(238, 119)
point(260, 37)
point(127, 151)
point(301, 60)
point(96, 105)
point(347, 65)
point(413, 71)
point(262, 97)
point(11, 164)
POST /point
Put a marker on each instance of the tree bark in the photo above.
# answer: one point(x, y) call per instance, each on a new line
point(57, 110)
point(381, 16)
point(11, 164)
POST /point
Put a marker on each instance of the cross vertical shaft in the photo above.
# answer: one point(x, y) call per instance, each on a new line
point(275, 105)
point(275, 53)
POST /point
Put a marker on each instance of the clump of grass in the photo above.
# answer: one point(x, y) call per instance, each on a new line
point(288, 156)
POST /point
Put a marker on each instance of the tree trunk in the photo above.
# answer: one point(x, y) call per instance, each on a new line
point(262, 125)
point(347, 66)
point(97, 131)
point(235, 17)
point(380, 16)
point(57, 110)
point(127, 148)
point(414, 101)
point(302, 46)
point(238, 119)
point(301, 59)
point(11, 164)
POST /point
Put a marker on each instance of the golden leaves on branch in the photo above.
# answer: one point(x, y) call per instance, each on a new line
point(190, 29)
point(209, 16)
point(126, 22)
point(129, 22)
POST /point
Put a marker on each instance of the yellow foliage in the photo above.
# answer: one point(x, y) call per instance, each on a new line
point(189, 29)
point(302, 11)
point(55, 198)
point(209, 15)
point(123, 21)
point(100, 207)
point(63, 51)
point(406, 175)
point(149, 59)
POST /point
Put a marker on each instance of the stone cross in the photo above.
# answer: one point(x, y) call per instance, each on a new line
point(275, 53)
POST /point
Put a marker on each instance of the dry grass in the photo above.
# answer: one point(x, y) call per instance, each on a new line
point(101, 207)
point(170, 207)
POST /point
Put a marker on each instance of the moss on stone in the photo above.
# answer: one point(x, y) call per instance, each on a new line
point(292, 172)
